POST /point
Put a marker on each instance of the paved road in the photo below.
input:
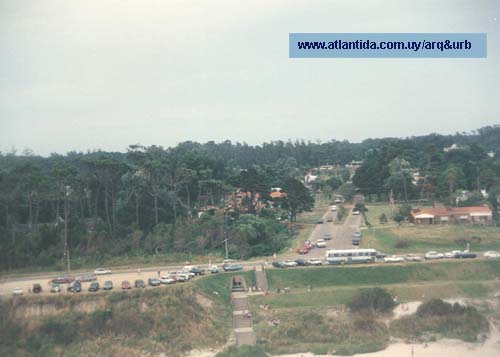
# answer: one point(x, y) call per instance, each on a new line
point(341, 233)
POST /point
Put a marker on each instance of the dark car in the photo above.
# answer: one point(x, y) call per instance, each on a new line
point(329, 220)
point(466, 255)
point(301, 262)
point(94, 287)
point(320, 221)
point(108, 285)
point(62, 280)
point(139, 283)
point(37, 288)
point(279, 264)
point(76, 287)
point(197, 271)
point(154, 282)
point(356, 241)
point(233, 267)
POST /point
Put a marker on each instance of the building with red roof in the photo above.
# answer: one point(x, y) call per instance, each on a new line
point(452, 215)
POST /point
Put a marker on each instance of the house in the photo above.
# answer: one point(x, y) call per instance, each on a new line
point(452, 215)
point(277, 192)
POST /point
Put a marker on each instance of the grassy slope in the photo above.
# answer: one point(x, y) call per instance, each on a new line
point(333, 287)
point(170, 320)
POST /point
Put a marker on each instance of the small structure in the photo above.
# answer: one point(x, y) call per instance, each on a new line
point(452, 215)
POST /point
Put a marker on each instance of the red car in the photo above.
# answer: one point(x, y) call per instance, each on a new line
point(126, 285)
point(62, 280)
point(303, 250)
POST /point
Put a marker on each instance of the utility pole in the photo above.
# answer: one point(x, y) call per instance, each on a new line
point(225, 227)
point(66, 212)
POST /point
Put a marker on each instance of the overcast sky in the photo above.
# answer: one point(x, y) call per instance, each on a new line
point(97, 74)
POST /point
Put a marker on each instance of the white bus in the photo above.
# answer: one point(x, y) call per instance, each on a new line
point(350, 256)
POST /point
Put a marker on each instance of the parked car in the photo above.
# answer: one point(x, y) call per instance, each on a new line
point(491, 254)
point(62, 280)
point(301, 262)
point(197, 271)
point(214, 269)
point(290, 263)
point(452, 254)
point(333, 208)
point(356, 234)
point(394, 259)
point(37, 288)
point(94, 287)
point(17, 291)
point(327, 236)
point(355, 212)
point(139, 283)
point(55, 288)
point(329, 219)
point(315, 261)
point(356, 241)
point(181, 277)
point(433, 255)
point(466, 255)
point(76, 287)
point(87, 278)
point(154, 282)
point(380, 255)
point(303, 250)
point(102, 271)
point(413, 258)
point(185, 272)
point(233, 267)
point(320, 243)
point(320, 221)
point(168, 279)
point(126, 285)
point(279, 264)
point(108, 285)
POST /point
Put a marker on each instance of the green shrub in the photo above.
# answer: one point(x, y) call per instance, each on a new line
point(243, 351)
point(402, 244)
point(444, 319)
point(375, 299)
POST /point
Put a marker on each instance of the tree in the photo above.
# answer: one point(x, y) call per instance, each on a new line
point(347, 191)
point(299, 198)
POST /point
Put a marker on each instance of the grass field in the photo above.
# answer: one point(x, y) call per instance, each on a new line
point(420, 239)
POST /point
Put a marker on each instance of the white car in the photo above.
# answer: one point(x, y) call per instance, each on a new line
point(333, 208)
point(314, 261)
point(394, 259)
point(102, 271)
point(355, 212)
point(320, 243)
point(186, 272)
point(290, 263)
point(491, 254)
point(167, 280)
point(413, 258)
point(17, 291)
point(433, 255)
point(452, 254)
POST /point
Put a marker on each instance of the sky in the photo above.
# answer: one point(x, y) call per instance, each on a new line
point(104, 74)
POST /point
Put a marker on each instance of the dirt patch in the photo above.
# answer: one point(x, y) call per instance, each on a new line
point(204, 301)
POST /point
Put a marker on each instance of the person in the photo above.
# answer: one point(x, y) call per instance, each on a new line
point(139, 271)
point(159, 273)
point(412, 351)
